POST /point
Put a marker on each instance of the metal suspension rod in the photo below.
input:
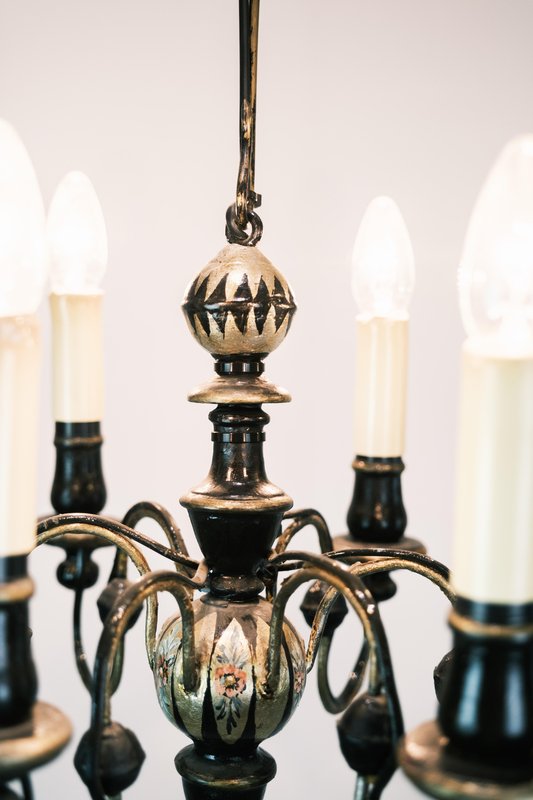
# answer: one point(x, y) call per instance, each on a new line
point(243, 225)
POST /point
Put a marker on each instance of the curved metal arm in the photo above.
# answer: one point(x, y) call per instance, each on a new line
point(54, 527)
point(112, 634)
point(302, 518)
point(360, 553)
point(421, 565)
point(393, 564)
point(142, 510)
point(337, 575)
point(148, 510)
point(336, 704)
point(27, 788)
point(79, 651)
point(381, 675)
point(120, 536)
point(90, 523)
point(362, 569)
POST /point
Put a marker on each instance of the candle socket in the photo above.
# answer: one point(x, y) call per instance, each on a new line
point(78, 481)
point(486, 708)
point(377, 515)
point(18, 680)
point(482, 744)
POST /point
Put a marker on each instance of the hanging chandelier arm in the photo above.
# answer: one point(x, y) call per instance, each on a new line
point(27, 787)
point(82, 664)
point(351, 586)
point(393, 564)
point(79, 650)
point(320, 641)
point(120, 536)
point(127, 605)
point(319, 568)
point(381, 675)
point(117, 623)
point(320, 645)
point(318, 627)
point(407, 556)
point(91, 523)
point(54, 527)
point(336, 704)
point(302, 518)
point(148, 510)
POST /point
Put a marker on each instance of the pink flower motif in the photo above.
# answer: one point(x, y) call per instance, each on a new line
point(298, 681)
point(163, 665)
point(229, 680)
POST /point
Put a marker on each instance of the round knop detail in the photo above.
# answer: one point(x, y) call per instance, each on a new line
point(239, 304)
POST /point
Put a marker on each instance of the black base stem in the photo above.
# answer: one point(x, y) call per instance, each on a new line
point(18, 679)
point(228, 777)
point(486, 707)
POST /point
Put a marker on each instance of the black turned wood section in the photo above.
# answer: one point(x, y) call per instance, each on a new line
point(18, 679)
point(234, 546)
point(224, 778)
point(240, 365)
point(78, 481)
point(236, 512)
point(7, 794)
point(238, 467)
point(486, 700)
point(377, 513)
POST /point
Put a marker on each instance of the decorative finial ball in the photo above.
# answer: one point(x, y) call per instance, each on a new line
point(120, 758)
point(365, 734)
point(239, 304)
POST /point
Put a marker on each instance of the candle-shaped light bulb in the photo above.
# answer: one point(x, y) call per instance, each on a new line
point(77, 247)
point(77, 238)
point(383, 280)
point(383, 263)
point(496, 272)
point(22, 279)
point(493, 559)
point(22, 262)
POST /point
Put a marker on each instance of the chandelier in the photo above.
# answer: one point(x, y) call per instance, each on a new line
point(228, 661)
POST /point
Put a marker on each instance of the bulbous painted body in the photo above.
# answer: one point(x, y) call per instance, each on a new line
point(229, 708)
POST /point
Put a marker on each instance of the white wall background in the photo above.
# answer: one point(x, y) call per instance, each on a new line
point(412, 98)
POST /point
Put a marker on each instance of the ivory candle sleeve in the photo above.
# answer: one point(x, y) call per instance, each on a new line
point(493, 541)
point(381, 386)
point(19, 403)
point(78, 381)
